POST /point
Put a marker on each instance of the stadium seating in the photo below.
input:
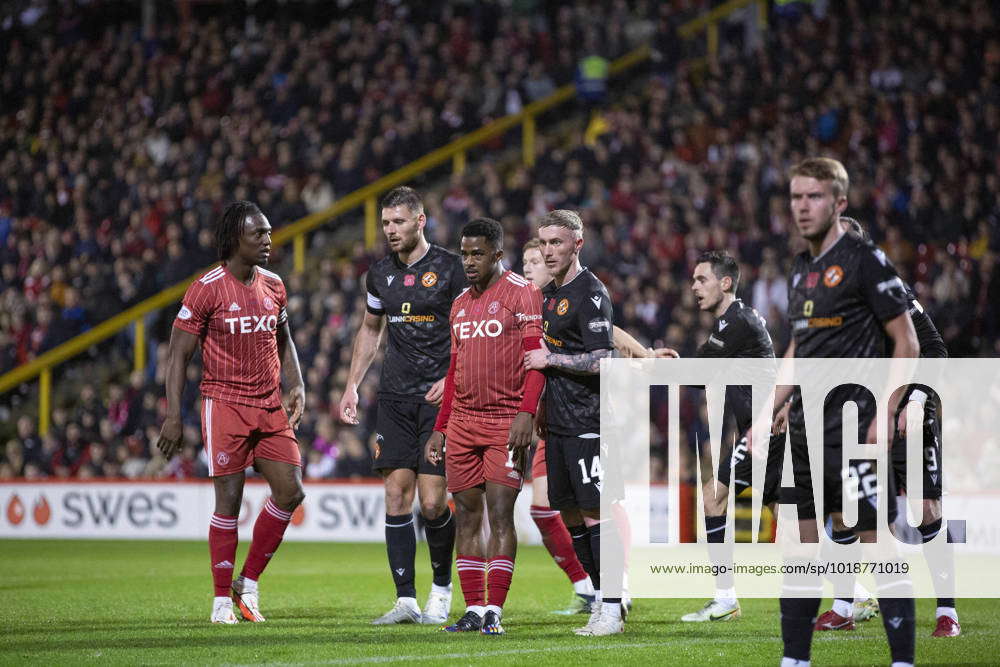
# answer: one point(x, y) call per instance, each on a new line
point(692, 160)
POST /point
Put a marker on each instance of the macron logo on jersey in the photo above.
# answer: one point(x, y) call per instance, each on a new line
point(597, 301)
point(252, 323)
point(480, 329)
point(723, 324)
point(389, 279)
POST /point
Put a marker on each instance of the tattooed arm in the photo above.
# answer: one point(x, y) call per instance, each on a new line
point(588, 363)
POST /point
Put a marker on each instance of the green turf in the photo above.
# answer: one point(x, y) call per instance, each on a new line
point(149, 602)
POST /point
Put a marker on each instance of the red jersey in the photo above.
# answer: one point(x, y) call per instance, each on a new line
point(487, 334)
point(237, 325)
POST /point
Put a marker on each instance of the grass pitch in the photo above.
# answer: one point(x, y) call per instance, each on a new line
point(149, 603)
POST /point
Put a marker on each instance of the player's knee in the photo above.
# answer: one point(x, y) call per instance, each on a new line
point(431, 508)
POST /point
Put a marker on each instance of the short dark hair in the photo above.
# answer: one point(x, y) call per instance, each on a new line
point(404, 196)
point(488, 228)
point(230, 226)
point(723, 265)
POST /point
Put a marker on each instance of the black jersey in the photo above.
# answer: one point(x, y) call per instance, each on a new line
point(416, 302)
point(931, 344)
point(577, 318)
point(740, 332)
point(837, 304)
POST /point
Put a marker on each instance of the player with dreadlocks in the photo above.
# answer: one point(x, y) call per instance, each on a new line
point(236, 312)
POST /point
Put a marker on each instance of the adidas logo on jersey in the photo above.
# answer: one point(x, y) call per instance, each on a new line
point(460, 313)
point(234, 307)
point(224, 565)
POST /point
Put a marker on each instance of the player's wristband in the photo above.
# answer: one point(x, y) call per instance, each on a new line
point(918, 396)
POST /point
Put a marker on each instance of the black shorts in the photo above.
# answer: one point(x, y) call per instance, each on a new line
point(931, 458)
point(401, 431)
point(740, 467)
point(576, 472)
point(862, 471)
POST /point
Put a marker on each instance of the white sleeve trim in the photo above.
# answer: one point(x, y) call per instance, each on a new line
point(374, 302)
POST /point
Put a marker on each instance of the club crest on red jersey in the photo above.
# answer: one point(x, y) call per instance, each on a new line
point(493, 308)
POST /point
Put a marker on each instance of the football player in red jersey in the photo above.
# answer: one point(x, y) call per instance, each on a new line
point(236, 313)
point(487, 416)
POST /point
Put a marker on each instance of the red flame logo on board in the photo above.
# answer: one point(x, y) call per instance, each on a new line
point(42, 511)
point(299, 515)
point(15, 510)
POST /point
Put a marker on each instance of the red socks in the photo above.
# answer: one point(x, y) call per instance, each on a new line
point(472, 576)
point(558, 541)
point(268, 531)
point(499, 572)
point(222, 538)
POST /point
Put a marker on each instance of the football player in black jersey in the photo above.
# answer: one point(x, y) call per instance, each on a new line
point(739, 331)
point(577, 324)
point(846, 610)
point(410, 292)
point(845, 300)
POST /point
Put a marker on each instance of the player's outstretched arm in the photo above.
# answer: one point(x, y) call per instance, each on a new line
point(365, 346)
point(295, 400)
point(179, 353)
point(627, 346)
point(588, 363)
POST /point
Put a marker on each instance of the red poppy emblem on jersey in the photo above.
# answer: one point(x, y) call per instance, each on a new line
point(222, 458)
point(552, 304)
point(833, 276)
point(429, 279)
point(409, 280)
point(812, 280)
point(562, 307)
point(268, 303)
point(494, 307)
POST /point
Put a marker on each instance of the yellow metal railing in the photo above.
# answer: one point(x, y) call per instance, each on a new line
point(366, 197)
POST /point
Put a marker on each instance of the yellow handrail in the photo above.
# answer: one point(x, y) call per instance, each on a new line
point(456, 151)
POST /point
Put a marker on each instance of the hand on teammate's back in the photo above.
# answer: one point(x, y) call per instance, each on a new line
point(295, 404)
point(435, 394)
point(171, 437)
point(434, 449)
point(665, 353)
point(348, 412)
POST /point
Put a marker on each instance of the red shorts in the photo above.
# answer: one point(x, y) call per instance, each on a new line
point(538, 468)
point(476, 453)
point(235, 435)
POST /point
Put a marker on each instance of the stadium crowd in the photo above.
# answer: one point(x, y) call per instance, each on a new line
point(118, 151)
point(695, 160)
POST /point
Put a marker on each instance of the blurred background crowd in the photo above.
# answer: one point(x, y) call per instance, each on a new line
point(118, 151)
